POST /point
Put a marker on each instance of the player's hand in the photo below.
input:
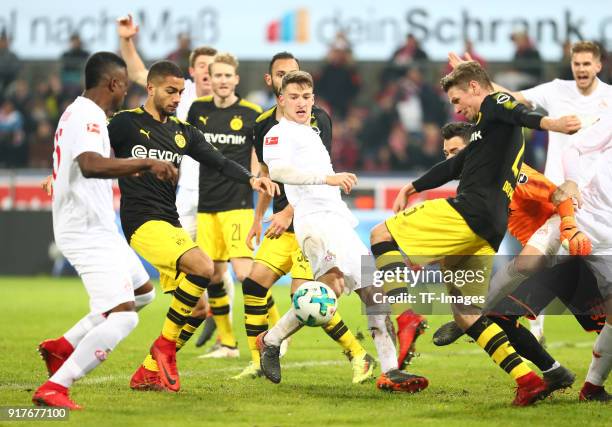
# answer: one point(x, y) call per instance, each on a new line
point(454, 60)
point(126, 28)
point(254, 232)
point(164, 170)
point(47, 185)
point(564, 124)
point(572, 239)
point(401, 201)
point(345, 180)
point(567, 190)
point(279, 223)
point(265, 185)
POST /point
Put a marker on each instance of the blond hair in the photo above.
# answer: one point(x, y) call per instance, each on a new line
point(465, 73)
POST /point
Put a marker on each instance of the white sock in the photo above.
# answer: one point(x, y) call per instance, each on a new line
point(552, 368)
point(228, 285)
point(537, 326)
point(82, 327)
point(95, 346)
point(383, 342)
point(140, 301)
point(286, 326)
point(503, 282)
point(602, 357)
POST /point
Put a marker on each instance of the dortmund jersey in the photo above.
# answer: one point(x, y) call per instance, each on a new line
point(229, 130)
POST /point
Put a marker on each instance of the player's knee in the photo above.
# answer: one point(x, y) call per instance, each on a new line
point(529, 264)
point(199, 312)
point(144, 299)
point(379, 234)
point(204, 268)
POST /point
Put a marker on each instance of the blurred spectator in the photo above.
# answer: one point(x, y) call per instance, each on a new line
point(13, 152)
point(40, 146)
point(468, 48)
point(9, 63)
point(72, 64)
point(409, 52)
point(564, 69)
point(338, 82)
point(526, 59)
point(181, 55)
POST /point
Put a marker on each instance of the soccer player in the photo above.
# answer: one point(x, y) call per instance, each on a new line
point(148, 211)
point(225, 208)
point(586, 96)
point(595, 217)
point(187, 189)
point(530, 209)
point(470, 226)
point(279, 252)
point(85, 230)
point(324, 227)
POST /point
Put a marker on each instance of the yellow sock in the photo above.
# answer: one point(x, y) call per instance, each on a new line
point(188, 330)
point(273, 314)
point(150, 363)
point(256, 313)
point(340, 333)
point(389, 258)
point(494, 341)
point(219, 305)
point(184, 298)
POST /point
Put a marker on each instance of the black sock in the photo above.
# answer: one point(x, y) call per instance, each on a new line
point(524, 342)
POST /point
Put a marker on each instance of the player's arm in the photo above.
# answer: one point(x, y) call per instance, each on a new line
point(263, 202)
point(203, 152)
point(127, 29)
point(440, 174)
point(94, 165)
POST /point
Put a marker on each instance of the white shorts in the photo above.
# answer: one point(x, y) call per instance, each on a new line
point(546, 238)
point(328, 240)
point(187, 208)
point(108, 267)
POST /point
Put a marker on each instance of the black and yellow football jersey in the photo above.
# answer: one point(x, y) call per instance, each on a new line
point(135, 133)
point(488, 167)
point(229, 130)
point(319, 120)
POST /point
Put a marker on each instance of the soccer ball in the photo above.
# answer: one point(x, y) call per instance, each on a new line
point(314, 303)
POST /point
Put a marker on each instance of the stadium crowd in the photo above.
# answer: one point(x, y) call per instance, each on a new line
point(393, 127)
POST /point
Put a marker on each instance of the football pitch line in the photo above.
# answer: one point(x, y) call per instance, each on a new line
point(296, 365)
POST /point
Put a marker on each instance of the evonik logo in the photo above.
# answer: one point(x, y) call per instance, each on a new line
point(291, 27)
point(475, 136)
point(221, 138)
point(142, 152)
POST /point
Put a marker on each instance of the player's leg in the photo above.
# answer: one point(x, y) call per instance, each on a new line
point(111, 295)
point(601, 361)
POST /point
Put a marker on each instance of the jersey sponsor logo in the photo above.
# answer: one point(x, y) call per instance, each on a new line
point(236, 123)
point(222, 138)
point(93, 127)
point(271, 140)
point(145, 133)
point(475, 136)
point(142, 152)
point(203, 119)
point(523, 178)
point(180, 140)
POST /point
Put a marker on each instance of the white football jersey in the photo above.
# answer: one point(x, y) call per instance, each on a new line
point(595, 215)
point(299, 145)
point(190, 169)
point(560, 98)
point(80, 204)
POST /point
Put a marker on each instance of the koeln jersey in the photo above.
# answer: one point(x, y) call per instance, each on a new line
point(229, 130)
point(79, 203)
point(319, 121)
point(560, 98)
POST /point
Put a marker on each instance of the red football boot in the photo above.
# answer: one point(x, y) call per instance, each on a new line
point(54, 353)
point(409, 327)
point(592, 392)
point(163, 352)
point(530, 388)
point(146, 380)
point(51, 394)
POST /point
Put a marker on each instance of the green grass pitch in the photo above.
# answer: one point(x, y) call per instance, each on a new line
point(466, 388)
